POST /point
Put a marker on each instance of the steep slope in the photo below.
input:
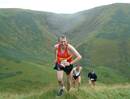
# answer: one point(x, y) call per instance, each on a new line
point(24, 34)
point(109, 44)
point(99, 92)
point(27, 38)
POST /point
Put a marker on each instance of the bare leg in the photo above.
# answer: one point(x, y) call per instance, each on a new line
point(93, 83)
point(68, 83)
point(60, 78)
point(89, 81)
point(73, 82)
point(61, 83)
point(69, 80)
point(78, 82)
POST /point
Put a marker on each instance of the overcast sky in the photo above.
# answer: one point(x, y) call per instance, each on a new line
point(57, 6)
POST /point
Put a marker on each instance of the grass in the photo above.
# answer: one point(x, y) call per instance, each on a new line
point(101, 91)
point(24, 76)
point(29, 80)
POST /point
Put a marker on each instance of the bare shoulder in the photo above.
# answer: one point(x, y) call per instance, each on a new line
point(74, 68)
point(81, 68)
point(56, 46)
point(74, 51)
point(70, 46)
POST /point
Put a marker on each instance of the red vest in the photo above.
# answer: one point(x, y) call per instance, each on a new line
point(63, 55)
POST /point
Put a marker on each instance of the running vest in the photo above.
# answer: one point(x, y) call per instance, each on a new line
point(63, 55)
point(75, 72)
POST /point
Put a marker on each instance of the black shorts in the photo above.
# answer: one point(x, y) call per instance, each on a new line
point(75, 77)
point(66, 69)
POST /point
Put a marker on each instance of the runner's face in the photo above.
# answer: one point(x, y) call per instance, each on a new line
point(78, 67)
point(63, 41)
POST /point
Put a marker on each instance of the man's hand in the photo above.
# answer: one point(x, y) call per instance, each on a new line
point(65, 63)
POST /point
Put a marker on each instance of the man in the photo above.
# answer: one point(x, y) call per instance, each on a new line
point(64, 61)
point(77, 75)
point(92, 77)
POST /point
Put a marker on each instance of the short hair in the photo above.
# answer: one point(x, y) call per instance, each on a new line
point(62, 37)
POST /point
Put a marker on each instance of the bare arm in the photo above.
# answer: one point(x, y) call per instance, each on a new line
point(76, 53)
point(80, 69)
point(55, 52)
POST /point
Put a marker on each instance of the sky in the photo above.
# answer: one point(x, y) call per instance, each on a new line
point(57, 6)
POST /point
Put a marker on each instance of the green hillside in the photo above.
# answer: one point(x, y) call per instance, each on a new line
point(27, 39)
point(23, 76)
point(99, 92)
point(109, 44)
point(24, 35)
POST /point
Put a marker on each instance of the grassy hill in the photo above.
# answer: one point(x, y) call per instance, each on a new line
point(86, 91)
point(23, 76)
point(24, 35)
point(27, 38)
point(99, 92)
point(106, 31)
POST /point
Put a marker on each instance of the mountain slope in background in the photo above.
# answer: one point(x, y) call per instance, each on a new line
point(101, 35)
point(24, 34)
point(108, 45)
